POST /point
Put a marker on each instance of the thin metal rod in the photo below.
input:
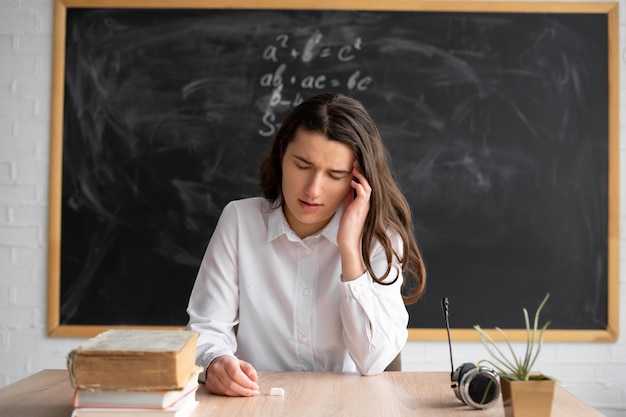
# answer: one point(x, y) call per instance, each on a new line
point(444, 305)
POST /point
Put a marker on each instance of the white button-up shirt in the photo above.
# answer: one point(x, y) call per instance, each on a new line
point(277, 301)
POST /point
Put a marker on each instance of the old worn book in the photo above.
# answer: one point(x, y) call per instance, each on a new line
point(156, 399)
point(134, 360)
point(182, 408)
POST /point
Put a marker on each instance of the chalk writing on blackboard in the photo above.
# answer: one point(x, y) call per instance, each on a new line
point(284, 51)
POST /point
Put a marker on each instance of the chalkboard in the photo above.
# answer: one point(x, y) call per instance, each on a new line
point(498, 124)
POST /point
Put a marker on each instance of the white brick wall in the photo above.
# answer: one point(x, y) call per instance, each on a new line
point(593, 371)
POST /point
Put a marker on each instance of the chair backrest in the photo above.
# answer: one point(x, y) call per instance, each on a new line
point(396, 363)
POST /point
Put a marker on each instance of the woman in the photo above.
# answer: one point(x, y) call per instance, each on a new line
point(315, 275)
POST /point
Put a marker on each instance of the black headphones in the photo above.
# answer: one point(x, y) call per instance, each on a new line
point(476, 386)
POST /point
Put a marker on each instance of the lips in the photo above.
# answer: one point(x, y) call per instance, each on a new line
point(308, 206)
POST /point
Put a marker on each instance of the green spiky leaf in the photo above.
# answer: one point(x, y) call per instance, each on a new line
point(507, 363)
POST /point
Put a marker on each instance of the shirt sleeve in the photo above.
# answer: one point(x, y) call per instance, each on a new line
point(374, 316)
point(213, 304)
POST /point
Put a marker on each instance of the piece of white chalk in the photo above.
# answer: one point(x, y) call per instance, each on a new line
point(277, 391)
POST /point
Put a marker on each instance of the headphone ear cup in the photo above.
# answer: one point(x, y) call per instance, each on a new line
point(479, 387)
point(458, 377)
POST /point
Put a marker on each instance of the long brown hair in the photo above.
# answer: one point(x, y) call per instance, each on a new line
point(345, 120)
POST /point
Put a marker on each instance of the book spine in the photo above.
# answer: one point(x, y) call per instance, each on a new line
point(71, 359)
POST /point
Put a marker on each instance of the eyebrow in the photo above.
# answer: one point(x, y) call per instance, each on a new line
point(336, 171)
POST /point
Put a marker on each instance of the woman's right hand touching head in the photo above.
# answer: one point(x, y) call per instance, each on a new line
point(230, 376)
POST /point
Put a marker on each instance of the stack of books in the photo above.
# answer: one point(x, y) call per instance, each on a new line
point(124, 373)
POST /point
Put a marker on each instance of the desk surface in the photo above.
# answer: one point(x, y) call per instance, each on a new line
point(49, 393)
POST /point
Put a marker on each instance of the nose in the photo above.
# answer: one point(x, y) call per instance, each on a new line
point(314, 186)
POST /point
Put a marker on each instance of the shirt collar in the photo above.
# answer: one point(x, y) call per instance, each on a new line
point(277, 225)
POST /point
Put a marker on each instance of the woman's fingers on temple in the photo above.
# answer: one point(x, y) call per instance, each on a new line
point(360, 182)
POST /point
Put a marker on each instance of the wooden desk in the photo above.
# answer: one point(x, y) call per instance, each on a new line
point(49, 394)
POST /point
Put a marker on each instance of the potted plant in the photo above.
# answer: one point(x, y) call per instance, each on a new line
point(524, 393)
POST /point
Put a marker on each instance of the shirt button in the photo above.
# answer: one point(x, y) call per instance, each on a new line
point(306, 291)
point(304, 340)
point(307, 251)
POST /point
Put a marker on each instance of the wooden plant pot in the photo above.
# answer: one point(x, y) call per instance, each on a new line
point(531, 398)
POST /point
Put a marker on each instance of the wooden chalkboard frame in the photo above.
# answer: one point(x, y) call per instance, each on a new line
point(610, 9)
